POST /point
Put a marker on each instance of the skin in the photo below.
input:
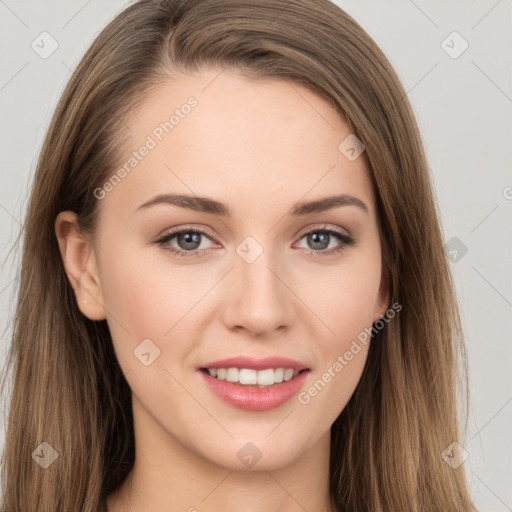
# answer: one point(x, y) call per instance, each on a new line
point(259, 147)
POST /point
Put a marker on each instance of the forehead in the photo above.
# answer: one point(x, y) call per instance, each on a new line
point(260, 143)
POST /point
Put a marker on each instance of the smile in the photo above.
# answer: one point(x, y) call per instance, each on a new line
point(254, 384)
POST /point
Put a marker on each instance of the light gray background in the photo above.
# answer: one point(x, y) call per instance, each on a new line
point(463, 106)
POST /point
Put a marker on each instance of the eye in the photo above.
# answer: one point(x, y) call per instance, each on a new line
point(320, 239)
point(189, 241)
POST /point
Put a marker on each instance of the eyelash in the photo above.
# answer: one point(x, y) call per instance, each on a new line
point(342, 237)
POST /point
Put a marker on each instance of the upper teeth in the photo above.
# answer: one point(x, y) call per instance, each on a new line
point(249, 376)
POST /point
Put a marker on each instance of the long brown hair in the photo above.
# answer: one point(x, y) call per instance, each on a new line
point(68, 389)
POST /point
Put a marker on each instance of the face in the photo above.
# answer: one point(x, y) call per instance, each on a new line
point(186, 283)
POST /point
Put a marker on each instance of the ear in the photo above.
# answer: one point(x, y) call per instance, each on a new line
point(382, 303)
point(80, 265)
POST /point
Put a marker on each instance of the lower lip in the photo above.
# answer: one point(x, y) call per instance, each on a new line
point(252, 398)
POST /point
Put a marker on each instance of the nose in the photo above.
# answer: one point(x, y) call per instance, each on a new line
point(260, 301)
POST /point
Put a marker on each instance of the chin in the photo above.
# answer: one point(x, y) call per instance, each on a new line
point(257, 453)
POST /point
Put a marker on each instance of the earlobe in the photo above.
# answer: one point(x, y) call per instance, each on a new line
point(79, 260)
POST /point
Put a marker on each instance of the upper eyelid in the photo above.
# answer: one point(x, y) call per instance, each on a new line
point(205, 232)
point(177, 231)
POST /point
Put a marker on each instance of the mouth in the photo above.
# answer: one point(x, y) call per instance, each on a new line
point(249, 377)
point(254, 384)
point(254, 390)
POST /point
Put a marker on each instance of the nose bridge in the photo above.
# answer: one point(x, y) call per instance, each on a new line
point(260, 301)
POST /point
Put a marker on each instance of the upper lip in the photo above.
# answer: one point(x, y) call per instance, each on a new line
point(257, 364)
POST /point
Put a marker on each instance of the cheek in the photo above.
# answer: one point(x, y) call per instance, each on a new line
point(344, 298)
point(148, 296)
point(329, 390)
point(345, 308)
point(146, 293)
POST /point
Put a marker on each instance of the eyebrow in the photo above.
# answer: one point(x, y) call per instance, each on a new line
point(211, 206)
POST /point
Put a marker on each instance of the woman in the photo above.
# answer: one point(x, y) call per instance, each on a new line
point(234, 293)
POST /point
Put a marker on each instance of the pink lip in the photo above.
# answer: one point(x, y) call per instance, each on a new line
point(253, 398)
point(257, 364)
